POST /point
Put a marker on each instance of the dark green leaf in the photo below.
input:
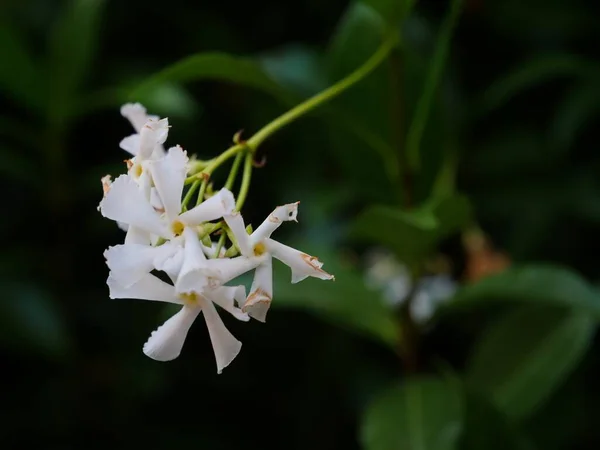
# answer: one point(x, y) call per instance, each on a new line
point(534, 72)
point(392, 11)
point(523, 357)
point(419, 414)
point(413, 234)
point(212, 66)
point(346, 301)
point(29, 320)
point(71, 50)
point(19, 72)
point(435, 72)
point(542, 284)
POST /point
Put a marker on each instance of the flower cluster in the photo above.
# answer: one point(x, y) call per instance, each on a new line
point(163, 235)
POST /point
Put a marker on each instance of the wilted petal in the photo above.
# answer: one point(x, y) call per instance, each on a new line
point(302, 265)
point(194, 271)
point(235, 221)
point(166, 342)
point(276, 218)
point(219, 205)
point(125, 203)
point(261, 293)
point(230, 268)
point(168, 174)
point(225, 345)
point(225, 296)
point(147, 288)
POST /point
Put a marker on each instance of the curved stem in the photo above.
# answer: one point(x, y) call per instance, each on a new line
point(245, 181)
point(233, 172)
point(377, 58)
point(215, 163)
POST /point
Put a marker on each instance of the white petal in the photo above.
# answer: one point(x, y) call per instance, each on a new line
point(261, 293)
point(225, 345)
point(166, 342)
point(168, 174)
point(235, 221)
point(125, 203)
point(302, 265)
point(128, 263)
point(152, 134)
point(224, 297)
point(276, 218)
point(155, 200)
point(194, 271)
point(147, 288)
point(136, 235)
point(171, 260)
point(131, 144)
point(219, 205)
point(136, 114)
point(230, 268)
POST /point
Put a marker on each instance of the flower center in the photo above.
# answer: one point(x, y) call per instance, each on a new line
point(177, 227)
point(190, 299)
point(137, 170)
point(259, 249)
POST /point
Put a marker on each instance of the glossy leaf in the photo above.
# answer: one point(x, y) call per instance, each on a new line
point(347, 301)
point(533, 284)
point(413, 234)
point(420, 414)
point(527, 354)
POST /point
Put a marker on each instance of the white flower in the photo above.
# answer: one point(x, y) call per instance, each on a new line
point(260, 244)
point(166, 342)
point(144, 142)
point(125, 203)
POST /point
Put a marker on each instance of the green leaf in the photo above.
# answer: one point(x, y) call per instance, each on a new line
point(524, 356)
point(540, 284)
point(347, 301)
point(419, 414)
point(213, 66)
point(392, 11)
point(488, 428)
point(72, 47)
point(424, 105)
point(372, 106)
point(536, 71)
point(19, 72)
point(413, 234)
point(30, 321)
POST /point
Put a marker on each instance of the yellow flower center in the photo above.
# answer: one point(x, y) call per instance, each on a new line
point(137, 171)
point(177, 227)
point(189, 299)
point(259, 249)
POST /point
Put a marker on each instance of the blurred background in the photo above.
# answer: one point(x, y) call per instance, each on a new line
point(454, 193)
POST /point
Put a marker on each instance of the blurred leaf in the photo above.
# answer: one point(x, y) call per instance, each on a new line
point(392, 11)
point(29, 321)
point(413, 234)
point(372, 106)
point(212, 66)
point(536, 284)
point(488, 428)
point(424, 105)
point(523, 357)
point(419, 414)
point(533, 72)
point(170, 99)
point(71, 51)
point(346, 301)
point(19, 72)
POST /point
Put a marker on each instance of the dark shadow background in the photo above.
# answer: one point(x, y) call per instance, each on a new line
point(74, 375)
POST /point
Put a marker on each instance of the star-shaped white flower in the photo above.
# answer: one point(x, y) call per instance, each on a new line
point(259, 243)
point(166, 342)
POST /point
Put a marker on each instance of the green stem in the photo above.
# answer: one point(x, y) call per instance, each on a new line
point(220, 244)
point(377, 58)
point(234, 170)
point(188, 196)
point(202, 191)
point(241, 198)
point(215, 163)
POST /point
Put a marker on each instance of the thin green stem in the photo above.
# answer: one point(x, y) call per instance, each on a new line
point(202, 191)
point(303, 108)
point(234, 170)
point(188, 196)
point(241, 198)
point(215, 163)
point(220, 245)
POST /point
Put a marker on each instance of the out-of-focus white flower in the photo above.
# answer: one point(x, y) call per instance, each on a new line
point(166, 342)
point(259, 243)
point(430, 292)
